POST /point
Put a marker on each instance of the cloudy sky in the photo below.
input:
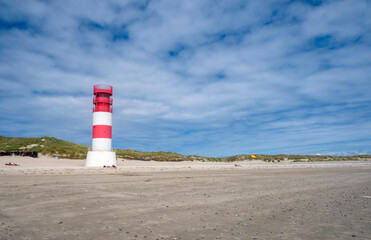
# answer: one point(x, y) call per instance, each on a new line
point(206, 77)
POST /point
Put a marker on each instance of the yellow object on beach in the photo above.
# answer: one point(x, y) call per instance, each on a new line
point(253, 155)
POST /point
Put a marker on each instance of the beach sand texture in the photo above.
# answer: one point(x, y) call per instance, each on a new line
point(48, 198)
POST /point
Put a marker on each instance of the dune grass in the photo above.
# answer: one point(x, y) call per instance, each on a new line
point(59, 148)
point(45, 145)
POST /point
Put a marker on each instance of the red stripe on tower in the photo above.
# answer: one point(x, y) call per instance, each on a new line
point(102, 131)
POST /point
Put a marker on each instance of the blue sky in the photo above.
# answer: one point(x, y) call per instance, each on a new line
point(212, 78)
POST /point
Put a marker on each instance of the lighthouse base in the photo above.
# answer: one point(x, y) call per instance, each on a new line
point(100, 159)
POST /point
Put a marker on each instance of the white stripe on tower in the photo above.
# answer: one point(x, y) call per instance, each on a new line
point(102, 144)
point(102, 118)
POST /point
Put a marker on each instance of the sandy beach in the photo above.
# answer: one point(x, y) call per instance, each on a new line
point(48, 198)
point(49, 165)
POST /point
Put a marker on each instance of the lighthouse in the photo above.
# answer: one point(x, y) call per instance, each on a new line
point(102, 154)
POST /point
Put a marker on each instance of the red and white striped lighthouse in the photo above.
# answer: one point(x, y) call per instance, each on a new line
point(102, 153)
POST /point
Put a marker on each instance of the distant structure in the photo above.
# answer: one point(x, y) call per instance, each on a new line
point(102, 154)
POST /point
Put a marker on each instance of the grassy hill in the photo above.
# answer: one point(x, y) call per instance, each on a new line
point(59, 148)
point(46, 145)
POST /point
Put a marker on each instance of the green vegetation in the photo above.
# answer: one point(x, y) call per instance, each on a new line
point(163, 156)
point(147, 156)
point(170, 156)
point(58, 148)
point(310, 158)
point(44, 145)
